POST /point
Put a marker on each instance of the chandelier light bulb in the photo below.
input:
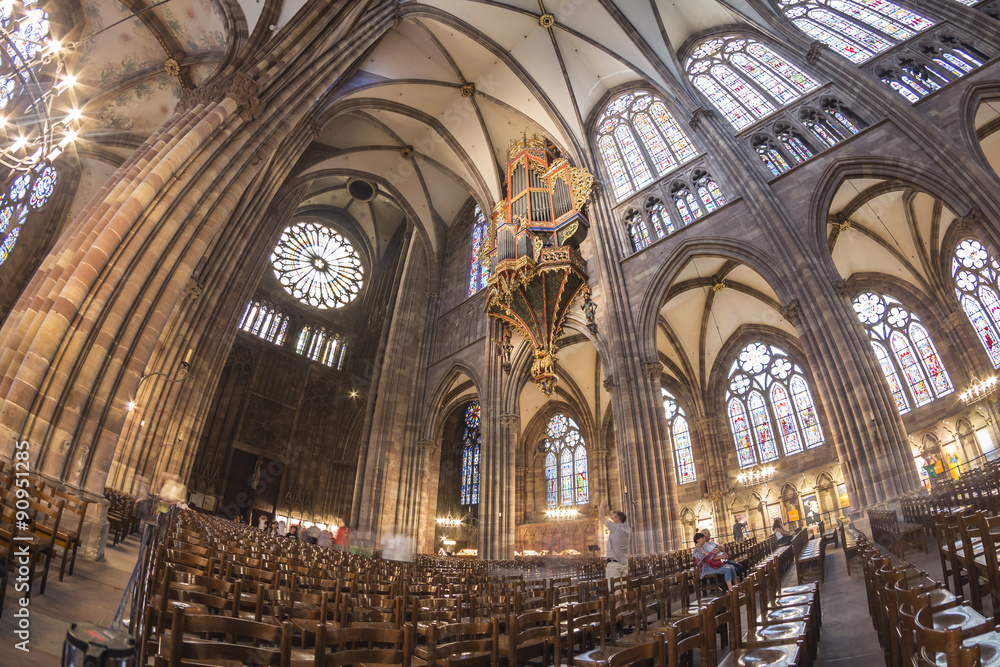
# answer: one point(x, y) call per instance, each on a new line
point(74, 115)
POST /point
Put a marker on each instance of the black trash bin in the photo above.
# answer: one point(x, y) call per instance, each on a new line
point(89, 645)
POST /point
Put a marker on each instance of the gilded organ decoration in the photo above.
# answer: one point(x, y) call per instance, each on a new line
point(532, 248)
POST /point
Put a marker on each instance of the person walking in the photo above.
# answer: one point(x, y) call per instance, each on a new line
point(619, 543)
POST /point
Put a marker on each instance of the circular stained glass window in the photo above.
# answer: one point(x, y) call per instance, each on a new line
point(317, 266)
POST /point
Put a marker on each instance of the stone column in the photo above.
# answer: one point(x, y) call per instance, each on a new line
point(497, 474)
point(429, 451)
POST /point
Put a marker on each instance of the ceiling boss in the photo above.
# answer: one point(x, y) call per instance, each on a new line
point(533, 249)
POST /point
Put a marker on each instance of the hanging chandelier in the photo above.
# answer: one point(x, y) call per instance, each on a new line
point(755, 476)
point(980, 390)
point(562, 513)
point(38, 118)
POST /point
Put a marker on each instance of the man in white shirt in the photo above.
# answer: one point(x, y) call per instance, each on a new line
point(619, 543)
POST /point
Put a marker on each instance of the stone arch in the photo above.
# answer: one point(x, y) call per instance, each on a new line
point(972, 100)
point(652, 299)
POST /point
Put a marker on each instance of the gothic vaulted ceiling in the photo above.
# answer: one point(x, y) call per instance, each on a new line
point(456, 80)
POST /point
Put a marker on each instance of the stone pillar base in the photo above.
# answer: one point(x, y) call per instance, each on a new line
point(94, 535)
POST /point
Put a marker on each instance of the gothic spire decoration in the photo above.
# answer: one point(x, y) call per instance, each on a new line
point(533, 248)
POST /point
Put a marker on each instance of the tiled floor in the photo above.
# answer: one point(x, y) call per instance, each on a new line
point(94, 592)
point(91, 595)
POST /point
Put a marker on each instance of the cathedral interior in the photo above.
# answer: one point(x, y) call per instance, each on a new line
point(460, 270)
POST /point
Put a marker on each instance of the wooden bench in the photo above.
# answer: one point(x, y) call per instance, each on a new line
point(895, 536)
point(809, 555)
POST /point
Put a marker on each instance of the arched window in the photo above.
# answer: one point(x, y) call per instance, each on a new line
point(769, 154)
point(904, 350)
point(767, 388)
point(566, 480)
point(262, 320)
point(680, 439)
point(744, 79)
point(976, 274)
point(637, 230)
point(639, 141)
point(319, 344)
point(856, 29)
point(471, 441)
point(28, 192)
point(479, 273)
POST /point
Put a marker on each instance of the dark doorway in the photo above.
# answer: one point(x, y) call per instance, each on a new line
point(252, 487)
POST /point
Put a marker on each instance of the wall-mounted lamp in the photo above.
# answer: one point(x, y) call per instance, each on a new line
point(181, 372)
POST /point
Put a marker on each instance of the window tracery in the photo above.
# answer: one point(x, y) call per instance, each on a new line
point(566, 473)
point(856, 29)
point(640, 140)
point(904, 350)
point(745, 79)
point(322, 345)
point(922, 68)
point(264, 321)
point(28, 192)
point(767, 388)
point(472, 441)
point(317, 266)
point(976, 273)
point(679, 434)
point(479, 273)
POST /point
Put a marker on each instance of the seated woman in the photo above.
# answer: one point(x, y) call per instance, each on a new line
point(784, 537)
point(710, 563)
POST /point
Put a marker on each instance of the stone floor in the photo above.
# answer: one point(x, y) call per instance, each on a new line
point(91, 595)
point(94, 592)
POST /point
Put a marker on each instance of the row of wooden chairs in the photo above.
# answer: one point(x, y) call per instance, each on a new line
point(202, 580)
point(919, 622)
point(42, 520)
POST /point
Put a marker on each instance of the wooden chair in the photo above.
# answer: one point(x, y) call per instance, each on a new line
point(477, 640)
point(178, 650)
point(586, 625)
point(42, 536)
point(68, 536)
point(651, 653)
point(531, 635)
point(973, 646)
point(368, 646)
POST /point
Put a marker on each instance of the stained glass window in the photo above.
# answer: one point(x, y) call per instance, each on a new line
point(766, 388)
point(856, 29)
point(317, 266)
point(263, 320)
point(471, 442)
point(975, 273)
point(745, 79)
point(322, 345)
point(680, 439)
point(904, 350)
point(639, 141)
point(566, 474)
point(29, 191)
point(660, 218)
point(637, 230)
point(479, 272)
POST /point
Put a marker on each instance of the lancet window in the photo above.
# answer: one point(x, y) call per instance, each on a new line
point(319, 344)
point(928, 66)
point(745, 79)
point(479, 273)
point(566, 473)
point(680, 439)
point(29, 192)
point(770, 407)
point(471, 445)
point(264, 321)
point(640, 140)
point(904, 351)
point(976, 273)
point(856, 29)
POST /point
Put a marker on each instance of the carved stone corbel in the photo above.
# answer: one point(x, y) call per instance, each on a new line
point(792, 312)
point(699, 115)
point(609, 383)
point(652, 369)
point(427, 446)
point(812, 56)
point(510, 420)
point(841, 287)
point(975, 217)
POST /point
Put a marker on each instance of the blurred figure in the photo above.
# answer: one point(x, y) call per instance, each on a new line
point(397, 546)
point(293, 531)
point(324, 539)
point(262, 522)
point(343, 539)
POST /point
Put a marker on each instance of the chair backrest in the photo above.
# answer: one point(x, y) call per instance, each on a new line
point(686, 635)
point(948, 641)
point(175, 651)
point(651, 653)
point(369, 646)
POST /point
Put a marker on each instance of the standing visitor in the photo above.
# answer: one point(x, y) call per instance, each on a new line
point(619, 543)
